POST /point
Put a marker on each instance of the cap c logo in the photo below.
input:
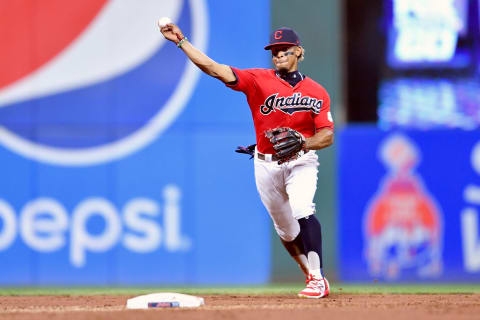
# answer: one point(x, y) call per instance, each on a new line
point(278, 34)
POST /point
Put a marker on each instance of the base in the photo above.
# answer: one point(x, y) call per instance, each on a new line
point(164, 300)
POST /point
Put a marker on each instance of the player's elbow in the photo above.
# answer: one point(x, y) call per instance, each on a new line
point(208, 68)
point(327, 139)
point(223, 73)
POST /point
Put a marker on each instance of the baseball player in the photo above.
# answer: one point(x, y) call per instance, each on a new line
point(291, 114)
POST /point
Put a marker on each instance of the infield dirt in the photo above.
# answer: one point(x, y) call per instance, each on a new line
point(250, 307)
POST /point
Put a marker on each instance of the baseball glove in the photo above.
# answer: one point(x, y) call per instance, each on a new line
point(288, 143)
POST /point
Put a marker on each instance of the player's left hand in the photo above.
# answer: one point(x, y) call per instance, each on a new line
point(287, 142)
point(250, 150)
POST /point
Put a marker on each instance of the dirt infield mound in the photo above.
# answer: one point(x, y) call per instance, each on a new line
point(278, 307)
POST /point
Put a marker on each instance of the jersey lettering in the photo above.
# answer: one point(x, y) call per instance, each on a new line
point(291, 104)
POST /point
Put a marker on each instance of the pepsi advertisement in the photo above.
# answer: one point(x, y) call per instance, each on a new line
point(409, 205)
point(118, 163)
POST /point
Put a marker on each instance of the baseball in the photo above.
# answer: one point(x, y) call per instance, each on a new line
point(163, 21)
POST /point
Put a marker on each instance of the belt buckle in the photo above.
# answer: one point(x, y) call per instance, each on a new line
point(266, 157)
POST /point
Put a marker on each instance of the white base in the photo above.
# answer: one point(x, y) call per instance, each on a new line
point(164, 300)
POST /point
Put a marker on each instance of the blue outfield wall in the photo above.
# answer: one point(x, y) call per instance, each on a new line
point(132, 178)
point(409, 204)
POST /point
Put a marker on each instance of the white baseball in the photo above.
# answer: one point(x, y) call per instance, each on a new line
point(163, 21)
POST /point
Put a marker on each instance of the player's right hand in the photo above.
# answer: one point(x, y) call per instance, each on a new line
point(172, 32)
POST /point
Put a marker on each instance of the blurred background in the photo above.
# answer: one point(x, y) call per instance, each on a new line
point(118, 162)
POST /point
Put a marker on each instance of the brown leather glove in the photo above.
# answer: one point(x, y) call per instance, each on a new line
point(288, 143)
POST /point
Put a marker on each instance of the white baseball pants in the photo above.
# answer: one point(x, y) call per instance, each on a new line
point(287, 191)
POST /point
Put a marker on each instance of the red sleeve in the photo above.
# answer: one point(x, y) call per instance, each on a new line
point(245, 80)
point(324, 118)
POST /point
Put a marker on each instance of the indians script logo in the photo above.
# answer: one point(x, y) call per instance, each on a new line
point(92, 81)
point(291, 104)
point(403, 225)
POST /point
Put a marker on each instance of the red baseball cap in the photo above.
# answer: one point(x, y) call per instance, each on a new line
point(283, 36)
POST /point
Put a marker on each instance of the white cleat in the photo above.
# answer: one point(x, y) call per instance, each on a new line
point(316, 288)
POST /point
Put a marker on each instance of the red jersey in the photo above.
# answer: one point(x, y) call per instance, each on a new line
point(275, 103)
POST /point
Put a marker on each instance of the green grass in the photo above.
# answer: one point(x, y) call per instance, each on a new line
point(257, 290)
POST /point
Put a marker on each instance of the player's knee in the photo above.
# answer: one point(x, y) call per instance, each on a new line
point(303, 211)
point(288, 237)
point(288, 233)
